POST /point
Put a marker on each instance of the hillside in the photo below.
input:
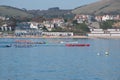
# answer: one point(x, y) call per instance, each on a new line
point(11, 11)
point(52, 12)
point(99, 8)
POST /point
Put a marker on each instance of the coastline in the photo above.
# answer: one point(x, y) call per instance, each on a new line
point(77, 37)
point(44, 37)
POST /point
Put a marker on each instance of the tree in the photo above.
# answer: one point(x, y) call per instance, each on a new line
point(82, 27)
point(107, 24)
point(74, 22)
point(58, 29)
point(44, 28)
point(65, 20)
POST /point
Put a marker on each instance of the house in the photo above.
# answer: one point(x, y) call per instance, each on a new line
point(58, 22)
point(107, 17)
point(94, 25)
point(98, 18)
point(34, 25)
point(3, 18)
point(81, 18)
point(5, 27)
point(48, 24)
point(117, 17)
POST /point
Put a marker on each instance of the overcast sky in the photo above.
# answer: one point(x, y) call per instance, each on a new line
point(45, 4)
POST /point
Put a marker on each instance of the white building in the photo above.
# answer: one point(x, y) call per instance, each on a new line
point(57, 20)
point(3, 18)
point(5, 27)
point(33, 25)
point(81, 18)
point(57, 33)
point(95, 31)
point(107, 17)
point(98, 18)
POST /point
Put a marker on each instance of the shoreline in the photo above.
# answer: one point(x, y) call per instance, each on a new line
point(46, 37)
point(62, 37)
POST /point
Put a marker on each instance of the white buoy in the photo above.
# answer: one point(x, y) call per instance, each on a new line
point(106, 53)
point(98, 54)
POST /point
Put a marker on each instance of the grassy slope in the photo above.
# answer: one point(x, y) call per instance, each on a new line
point(104, 6)
point(10, 11)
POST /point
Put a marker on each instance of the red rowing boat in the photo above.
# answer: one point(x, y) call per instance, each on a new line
point(77, 45)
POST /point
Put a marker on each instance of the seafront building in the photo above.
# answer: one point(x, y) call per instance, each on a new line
point(25, 29)
point(104, 33)
point(57, 33)
point(34, 29)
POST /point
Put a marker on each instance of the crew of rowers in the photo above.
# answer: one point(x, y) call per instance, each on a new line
point(29, 42)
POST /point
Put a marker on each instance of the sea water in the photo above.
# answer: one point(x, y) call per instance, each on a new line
point(55, 61)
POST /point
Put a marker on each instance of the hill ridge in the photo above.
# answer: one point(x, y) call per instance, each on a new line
point(13, 12)
point(99, 7)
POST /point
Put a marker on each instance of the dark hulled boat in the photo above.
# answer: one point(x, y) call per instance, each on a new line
point(77, 45)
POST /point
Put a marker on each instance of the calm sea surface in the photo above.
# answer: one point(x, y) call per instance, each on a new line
point(55, 61)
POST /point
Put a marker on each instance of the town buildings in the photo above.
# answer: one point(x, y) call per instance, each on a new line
point(37, 28)
point(89, 18)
